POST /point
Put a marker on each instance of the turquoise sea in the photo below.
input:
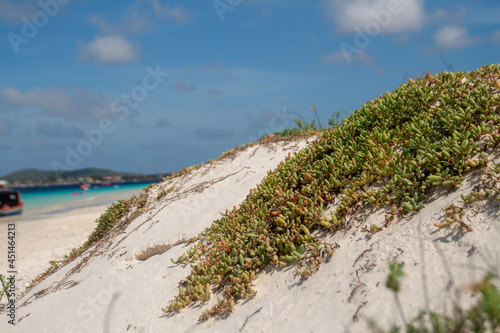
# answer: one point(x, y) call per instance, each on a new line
point(54, 199)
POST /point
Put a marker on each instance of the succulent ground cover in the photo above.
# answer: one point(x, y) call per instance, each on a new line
point(429, 132)
point(483, 317)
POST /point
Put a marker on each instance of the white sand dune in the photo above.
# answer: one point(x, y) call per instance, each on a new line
point(122, 284)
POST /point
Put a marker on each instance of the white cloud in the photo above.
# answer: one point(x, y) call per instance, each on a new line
point(347, 57)
point(177, 13)
point(13, 11)
point(109, 50)
point(390, 16)
point(48, 98)
point(496, 37)
point(453, 38)
point(75, 104)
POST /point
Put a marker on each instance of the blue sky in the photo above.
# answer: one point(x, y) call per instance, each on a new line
point(153, 86)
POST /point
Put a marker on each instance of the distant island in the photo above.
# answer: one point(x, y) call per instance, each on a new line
point(32, 177)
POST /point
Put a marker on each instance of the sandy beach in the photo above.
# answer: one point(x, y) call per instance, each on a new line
point(48, 234)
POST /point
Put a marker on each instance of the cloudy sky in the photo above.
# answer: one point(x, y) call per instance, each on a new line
point(154, 85)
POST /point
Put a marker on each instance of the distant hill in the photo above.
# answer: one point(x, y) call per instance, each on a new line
point(35, 174)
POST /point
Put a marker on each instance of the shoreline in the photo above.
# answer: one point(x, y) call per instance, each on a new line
point(71, 196)
point(49, 234)
point(87, 201)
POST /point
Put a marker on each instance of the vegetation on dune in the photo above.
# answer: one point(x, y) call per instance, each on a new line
point(428, 132)
point(108, 220)
point(116, 211)
point(483, 317)
point(303, 129)
point(4, 288)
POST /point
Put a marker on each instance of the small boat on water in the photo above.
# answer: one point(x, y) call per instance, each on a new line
point(10, 201)
point(84, 186)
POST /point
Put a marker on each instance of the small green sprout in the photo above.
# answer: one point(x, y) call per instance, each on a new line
point(395, 275)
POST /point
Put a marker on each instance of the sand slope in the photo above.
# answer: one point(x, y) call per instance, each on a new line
point(44, 235)
point(49, 238)
point(122, 284)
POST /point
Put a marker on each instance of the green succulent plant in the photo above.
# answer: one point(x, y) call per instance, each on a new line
point(420, 136)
